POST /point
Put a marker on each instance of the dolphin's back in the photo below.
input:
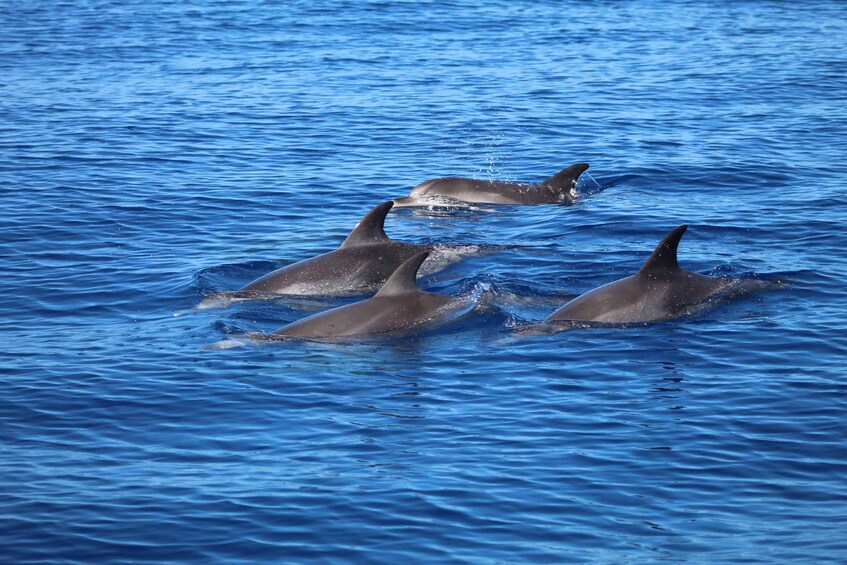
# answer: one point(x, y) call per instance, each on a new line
point(636, 300)
point(660, 290)
point(556, 189)
point(400, 304)
point(376, 315)
point(364, 260)
point(343, 271)
point(471, 190)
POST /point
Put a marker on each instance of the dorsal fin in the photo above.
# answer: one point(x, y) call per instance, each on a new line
point(402, 281)
point(663, 258)
point(565, 179)
point(370, 228)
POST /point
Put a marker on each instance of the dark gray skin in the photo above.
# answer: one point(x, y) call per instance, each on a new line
point(557, 189)
point(399, 305)
point(365, 260)
point(661, 290)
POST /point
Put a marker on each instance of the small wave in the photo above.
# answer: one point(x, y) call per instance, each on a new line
point(444, 255)
point(228, 343)
point(586, 185)
point(226, 299)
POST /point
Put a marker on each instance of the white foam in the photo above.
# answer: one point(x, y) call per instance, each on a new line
point(228, 343)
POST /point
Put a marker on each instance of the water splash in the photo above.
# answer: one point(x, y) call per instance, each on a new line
point(585, 186)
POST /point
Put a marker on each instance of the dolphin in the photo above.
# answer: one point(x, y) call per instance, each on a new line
point(399, 305)
point(660, 290)
point(364, 261)
point(558, 189)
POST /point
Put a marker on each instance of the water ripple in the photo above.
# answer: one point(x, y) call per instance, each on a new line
point(158, 153)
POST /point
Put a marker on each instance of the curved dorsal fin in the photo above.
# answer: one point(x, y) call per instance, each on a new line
point(565, 179)
point(402, 281)
point(664, 257)
point(370, 228)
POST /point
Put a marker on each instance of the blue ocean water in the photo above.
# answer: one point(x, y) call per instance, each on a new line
point(157, 152)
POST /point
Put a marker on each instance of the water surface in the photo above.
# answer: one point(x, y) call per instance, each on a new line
point(154, 153)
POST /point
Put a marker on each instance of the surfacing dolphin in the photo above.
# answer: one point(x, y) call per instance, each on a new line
point(399, 305)
point(363, 261)
point(661, 290)
point(558, 189)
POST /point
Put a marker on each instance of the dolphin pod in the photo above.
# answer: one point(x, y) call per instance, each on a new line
point(660, 290)
point(558, 189)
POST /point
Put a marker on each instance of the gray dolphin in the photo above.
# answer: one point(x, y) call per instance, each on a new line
point(557, 189)
point(363, 261)
point(399, 305)
point(661, 290)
